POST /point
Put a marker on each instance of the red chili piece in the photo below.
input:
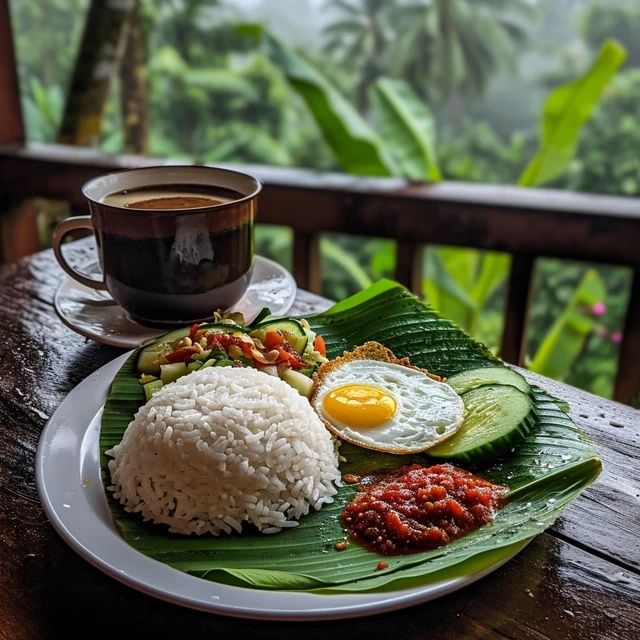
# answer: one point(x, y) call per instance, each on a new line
point(415, 508)
point(181, 355)
point(290, 356)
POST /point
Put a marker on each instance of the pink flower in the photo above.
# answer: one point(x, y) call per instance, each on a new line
point(616, 337)
point(599, 309)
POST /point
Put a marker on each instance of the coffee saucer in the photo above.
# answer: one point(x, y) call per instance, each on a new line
point(95, 315)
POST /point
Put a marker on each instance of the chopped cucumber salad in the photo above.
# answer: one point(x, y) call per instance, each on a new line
point(286, 348)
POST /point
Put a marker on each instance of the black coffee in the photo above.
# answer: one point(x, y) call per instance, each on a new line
point(171, 197)
point(184, 257)
point(163, 265)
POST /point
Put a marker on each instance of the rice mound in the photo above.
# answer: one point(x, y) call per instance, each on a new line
point(221, 447)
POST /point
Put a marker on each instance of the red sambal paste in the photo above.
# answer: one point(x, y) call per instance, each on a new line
point(415, 508)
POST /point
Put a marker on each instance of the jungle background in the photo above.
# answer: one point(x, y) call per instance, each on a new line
point(195, 88)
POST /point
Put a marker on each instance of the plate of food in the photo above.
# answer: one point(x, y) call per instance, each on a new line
point(362, 460)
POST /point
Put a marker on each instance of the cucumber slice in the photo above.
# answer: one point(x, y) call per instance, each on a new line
point(151, 356)
point(151, 387)
point(298, 381)
point(473, 378)
point(264, 313)
point(172, 371)
point(232, 329)
point(291, 330)
point(497, 418)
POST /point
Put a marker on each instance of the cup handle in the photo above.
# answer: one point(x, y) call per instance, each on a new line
point(65, 227)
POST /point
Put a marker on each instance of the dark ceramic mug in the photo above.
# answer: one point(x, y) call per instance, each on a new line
point(169, 265)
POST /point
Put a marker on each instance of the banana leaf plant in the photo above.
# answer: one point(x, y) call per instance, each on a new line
point(565, 111)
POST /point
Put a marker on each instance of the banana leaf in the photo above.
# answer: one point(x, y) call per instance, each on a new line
point(450, 276)
point(356, 146)
point(543, 475)
point(567, 336)
point(566, 109)
point(405, 118)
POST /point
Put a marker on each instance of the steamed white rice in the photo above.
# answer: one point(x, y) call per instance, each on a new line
point(221, 447)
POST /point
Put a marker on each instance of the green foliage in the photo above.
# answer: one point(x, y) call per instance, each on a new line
point(566, 338)
point(606, 20)
point(466, 286)
point(615, 125)
point(42, 110)
point(463, 42)
point(555, 284)
point(404, 144)
point(565, 111)
point(355, 145)
point(46, 38)
point(473, 152)
point(407, 121)
point(275, 242)
point(462, 284)
point(441, 47)
point(350, 263)
point(359, 40)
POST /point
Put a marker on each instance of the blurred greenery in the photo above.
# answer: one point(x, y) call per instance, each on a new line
point(406, 120)
point(565, 111)
point(218, 96)
point(555, 283)
point(604, 19)
point(467, 286)
point(444, 49)
point(607, 160)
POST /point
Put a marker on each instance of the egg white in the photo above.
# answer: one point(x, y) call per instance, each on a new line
point(427, 411)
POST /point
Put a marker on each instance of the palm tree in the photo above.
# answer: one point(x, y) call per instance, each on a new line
point(449, 46)
point(359, 39)
point(442, 47)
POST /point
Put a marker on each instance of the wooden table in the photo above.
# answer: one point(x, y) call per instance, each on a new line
point(580, 579)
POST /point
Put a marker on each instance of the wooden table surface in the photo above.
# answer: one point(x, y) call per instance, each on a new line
point(580, 579)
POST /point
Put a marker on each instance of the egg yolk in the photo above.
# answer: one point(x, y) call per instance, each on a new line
point(359, 405)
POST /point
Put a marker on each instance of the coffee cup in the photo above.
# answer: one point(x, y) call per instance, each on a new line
point(175, 243)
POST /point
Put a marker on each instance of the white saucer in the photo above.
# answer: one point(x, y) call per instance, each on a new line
point(95, 315)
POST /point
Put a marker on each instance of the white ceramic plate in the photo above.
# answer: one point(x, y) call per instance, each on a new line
point(95, 315)
point(70, 489)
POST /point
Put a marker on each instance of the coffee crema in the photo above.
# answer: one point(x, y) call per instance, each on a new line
point(171, 197)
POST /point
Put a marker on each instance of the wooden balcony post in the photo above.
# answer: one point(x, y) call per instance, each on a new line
point(627, 387)
point(514, 337)
point(306, 261)
point(11, 124)
point(409, 266)
point(18, 222)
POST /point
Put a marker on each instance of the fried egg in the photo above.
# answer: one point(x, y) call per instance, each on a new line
point(374, 400)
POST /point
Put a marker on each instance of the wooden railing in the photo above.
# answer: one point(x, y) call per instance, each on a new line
point(524, 223)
